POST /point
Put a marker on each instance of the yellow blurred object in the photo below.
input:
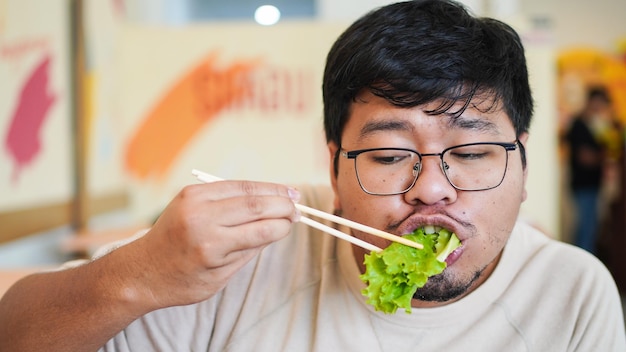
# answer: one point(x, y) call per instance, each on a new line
point(584, 67)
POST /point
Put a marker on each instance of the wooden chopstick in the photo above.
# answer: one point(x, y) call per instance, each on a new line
point(339, 234)
point(359, 226)
point(204, 177)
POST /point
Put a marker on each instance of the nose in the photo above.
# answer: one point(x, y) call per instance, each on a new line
point(431, 186)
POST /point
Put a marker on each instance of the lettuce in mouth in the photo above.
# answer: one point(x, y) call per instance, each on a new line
point(394, 274)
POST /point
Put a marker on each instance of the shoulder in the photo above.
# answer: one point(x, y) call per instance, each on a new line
point(562, 273)
point(577, 129)
point(318, 196)
point(577, 123)
point(538, 249)
point(568, 289)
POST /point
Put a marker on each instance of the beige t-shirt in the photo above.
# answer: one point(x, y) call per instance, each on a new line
point(303, 294)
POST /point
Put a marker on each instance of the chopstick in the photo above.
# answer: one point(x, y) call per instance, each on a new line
point(207, 178)
point(339, 234)
point(358, 226)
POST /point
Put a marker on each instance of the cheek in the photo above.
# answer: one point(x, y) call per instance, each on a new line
point(497, 210)
point(351, 197)
point(357, 205)
point(499, 213)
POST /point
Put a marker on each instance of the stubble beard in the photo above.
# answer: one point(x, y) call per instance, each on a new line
point(445, 287)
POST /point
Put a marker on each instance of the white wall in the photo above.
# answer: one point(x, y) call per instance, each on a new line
point(350, 10)
point(575, 23)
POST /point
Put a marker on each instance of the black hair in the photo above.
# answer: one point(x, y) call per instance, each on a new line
point(415, 52)
point(598, 92)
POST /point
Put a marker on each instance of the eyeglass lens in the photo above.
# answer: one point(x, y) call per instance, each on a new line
point(392, 171)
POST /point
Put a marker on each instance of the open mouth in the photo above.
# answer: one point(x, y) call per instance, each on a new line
point(444, 240)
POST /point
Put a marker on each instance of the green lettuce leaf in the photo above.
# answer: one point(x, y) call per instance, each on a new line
point(394, 274)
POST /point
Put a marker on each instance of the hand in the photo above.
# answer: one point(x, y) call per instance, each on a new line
point(205, 235)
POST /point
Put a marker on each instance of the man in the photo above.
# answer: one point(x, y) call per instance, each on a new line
point(220, 271)
point(587, 160)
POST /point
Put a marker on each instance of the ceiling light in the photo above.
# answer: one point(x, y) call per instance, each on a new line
point(267, 15)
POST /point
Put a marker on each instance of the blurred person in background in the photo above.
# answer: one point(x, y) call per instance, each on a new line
point(592, 145)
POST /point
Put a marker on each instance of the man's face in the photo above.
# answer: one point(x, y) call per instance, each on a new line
point(482, 220)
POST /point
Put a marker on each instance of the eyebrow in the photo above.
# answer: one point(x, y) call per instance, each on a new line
point(384, 125)
point(461, 122)
point(470, 123)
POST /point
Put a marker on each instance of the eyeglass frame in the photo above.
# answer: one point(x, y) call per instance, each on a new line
point(508, 147)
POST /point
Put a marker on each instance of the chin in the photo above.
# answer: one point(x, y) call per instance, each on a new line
point(444, 287)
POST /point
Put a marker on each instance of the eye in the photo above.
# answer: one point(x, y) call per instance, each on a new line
point(388, 157)
point(468, 156)
point(470, 153)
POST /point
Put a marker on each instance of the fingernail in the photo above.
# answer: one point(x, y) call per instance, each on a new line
point(293, 194)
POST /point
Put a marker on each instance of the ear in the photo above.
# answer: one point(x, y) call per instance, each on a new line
point(332, 150)
point(523, 138)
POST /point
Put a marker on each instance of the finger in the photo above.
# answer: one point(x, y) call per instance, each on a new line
point(252, 236)
point(227, 189)
point(241, 243)
point(245, 209)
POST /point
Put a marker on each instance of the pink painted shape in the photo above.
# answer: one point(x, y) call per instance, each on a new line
point(23, 137)
point(119, 7)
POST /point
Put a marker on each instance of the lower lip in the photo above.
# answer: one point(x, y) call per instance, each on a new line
point(454, 256)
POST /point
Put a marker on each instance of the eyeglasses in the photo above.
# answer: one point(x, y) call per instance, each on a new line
point(468, 167)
